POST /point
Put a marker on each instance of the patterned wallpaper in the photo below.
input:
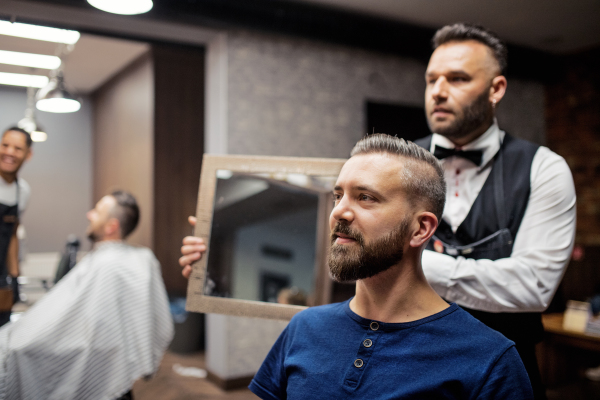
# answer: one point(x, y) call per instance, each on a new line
point(297, 97)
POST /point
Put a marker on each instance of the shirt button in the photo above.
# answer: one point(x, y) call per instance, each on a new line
point(368, 343)
point(374, 326)
point(358, 363)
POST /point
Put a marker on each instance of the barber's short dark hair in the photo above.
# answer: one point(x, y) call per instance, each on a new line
point(423, 175)
point(126, 211)
point(23, 131)
point(463, 31)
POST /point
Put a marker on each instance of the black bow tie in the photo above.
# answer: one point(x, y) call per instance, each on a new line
point(474, 156)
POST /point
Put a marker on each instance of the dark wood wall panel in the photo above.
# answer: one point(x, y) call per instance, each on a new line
point(123, 141)
point(178, 149)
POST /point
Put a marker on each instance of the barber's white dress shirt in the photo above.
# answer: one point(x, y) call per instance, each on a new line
point(527, 280)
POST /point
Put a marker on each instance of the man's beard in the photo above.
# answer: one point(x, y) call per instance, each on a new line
point(93, 236)
point(360, 261)
point(473, 116)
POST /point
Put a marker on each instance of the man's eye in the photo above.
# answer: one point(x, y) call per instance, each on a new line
point(364, 197)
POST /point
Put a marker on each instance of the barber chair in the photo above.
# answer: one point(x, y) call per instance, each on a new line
point(68, 259)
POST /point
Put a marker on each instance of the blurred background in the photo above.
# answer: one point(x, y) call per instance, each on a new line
point(277, 77)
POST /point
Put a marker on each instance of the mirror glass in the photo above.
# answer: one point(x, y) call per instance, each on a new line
point(264, 235)
point(265, 220)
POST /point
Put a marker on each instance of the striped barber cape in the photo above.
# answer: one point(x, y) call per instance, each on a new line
point(102, 327)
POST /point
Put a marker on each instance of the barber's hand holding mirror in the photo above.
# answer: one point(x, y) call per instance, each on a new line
point(192, 250)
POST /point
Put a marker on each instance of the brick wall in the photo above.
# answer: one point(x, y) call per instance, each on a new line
point(573, 131)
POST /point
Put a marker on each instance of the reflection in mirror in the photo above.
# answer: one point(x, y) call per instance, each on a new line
point(265, 222)
point(264, 236)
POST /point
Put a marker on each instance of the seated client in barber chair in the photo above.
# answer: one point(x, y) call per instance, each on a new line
point(102, 327)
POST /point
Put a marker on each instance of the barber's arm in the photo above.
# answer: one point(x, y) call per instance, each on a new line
point(527, 280)
point(191, 251)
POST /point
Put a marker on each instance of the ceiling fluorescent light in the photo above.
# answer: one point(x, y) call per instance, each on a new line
point(37, 81)
point(36, 32)
point(29, 60)
point(124, 7)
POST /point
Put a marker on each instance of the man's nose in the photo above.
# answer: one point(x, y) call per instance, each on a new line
point(343, 211)
point(440, 88)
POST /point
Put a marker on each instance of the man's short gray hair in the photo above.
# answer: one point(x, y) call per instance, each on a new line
point(423, 175)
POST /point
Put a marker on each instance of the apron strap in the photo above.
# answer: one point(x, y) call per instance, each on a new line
point(18, 194)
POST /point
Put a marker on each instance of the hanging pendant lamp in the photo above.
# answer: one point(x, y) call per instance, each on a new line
point(55, 98)
point(124, 7)
point(29, 123)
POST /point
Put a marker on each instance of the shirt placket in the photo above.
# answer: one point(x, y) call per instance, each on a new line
point(363, 355)
point(456, 197)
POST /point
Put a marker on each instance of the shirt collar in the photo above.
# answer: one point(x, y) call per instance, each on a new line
point(489, 142)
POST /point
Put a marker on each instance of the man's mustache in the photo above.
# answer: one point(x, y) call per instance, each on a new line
point(344, 229)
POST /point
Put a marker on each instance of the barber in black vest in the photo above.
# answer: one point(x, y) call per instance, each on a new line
point(508, 228)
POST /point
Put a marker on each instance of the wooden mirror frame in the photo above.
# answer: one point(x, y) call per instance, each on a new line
point(196, 300)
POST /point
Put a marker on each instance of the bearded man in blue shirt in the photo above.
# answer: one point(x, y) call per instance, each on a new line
point(396, 338)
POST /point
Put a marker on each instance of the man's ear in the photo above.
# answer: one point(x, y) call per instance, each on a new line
point(498, 89)
point(29, 154)
point(428, 223)
point(112, 227)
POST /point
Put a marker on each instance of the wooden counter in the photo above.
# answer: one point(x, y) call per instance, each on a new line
point(563, 354)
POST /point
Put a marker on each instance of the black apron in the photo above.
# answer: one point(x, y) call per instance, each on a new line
point(488, 232)
point(9, 219)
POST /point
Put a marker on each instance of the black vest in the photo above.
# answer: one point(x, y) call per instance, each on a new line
point(491, 225)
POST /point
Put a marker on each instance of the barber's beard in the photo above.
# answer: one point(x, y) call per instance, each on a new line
point(473, 116)
point(351, 262)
